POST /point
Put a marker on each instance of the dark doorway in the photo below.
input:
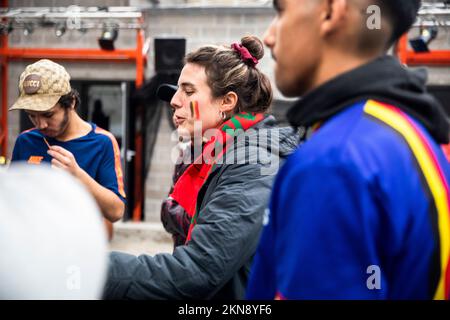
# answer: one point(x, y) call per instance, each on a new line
point(108, 104)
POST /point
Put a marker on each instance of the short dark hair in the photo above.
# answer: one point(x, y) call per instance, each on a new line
point(66, 100)
point(401, 15)
point(397, 17)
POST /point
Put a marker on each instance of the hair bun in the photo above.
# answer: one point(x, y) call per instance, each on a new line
point(254, 46)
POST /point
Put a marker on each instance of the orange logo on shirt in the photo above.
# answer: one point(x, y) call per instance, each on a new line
point(35, 159)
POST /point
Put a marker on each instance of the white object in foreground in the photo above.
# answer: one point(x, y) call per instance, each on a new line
point(52, 239)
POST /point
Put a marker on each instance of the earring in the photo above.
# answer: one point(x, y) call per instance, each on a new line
point(223, 115)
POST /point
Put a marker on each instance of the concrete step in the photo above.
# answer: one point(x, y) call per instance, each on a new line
point(141, 238)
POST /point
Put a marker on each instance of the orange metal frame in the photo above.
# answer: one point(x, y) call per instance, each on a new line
point(135, 55)
point(411, 58)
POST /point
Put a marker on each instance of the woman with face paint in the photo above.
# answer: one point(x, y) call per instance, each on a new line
point(216, 207)
point(215, 84)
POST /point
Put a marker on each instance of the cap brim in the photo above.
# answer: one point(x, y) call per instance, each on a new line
point(166, 92)
point(35, 103)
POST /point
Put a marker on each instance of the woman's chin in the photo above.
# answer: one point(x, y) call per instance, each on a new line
point(185, 132)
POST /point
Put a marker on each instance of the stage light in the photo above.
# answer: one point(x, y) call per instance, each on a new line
point(427, 35)
point(109, 35)
point(60, 29)
point(28, 29)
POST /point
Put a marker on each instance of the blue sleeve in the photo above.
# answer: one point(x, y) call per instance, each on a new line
point(17, 151)
point(325, 220)
point(110, 170)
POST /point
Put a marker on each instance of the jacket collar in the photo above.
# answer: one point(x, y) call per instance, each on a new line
point(384, 79)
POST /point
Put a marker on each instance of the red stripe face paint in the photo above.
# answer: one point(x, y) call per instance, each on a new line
point(195, 112)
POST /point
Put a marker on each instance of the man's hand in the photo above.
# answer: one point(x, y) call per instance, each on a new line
point(64, 159)
point(110, 204)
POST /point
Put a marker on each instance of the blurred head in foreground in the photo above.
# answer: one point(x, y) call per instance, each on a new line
point(52, 239)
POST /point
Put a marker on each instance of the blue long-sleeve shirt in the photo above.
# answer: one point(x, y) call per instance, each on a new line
point(356, 214)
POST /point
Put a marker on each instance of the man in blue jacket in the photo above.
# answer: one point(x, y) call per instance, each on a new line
point(361, 210)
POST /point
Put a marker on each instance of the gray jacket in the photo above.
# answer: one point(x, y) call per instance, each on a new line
point(216, 262)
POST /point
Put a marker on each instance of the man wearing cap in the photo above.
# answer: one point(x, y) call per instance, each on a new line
point(62, 138)
point(361, 209)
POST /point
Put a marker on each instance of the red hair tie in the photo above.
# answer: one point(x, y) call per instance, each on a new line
point(245, 54)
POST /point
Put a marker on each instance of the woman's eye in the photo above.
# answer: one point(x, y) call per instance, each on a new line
point(190, 93)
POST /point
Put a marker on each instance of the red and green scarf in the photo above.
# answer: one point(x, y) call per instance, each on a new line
point(187, 187)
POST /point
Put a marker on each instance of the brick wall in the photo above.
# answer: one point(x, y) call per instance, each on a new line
point(209, 25)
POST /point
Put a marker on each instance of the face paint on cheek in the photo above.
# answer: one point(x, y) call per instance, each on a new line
point(195, 112)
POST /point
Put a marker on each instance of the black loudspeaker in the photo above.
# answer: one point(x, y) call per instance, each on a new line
point(169, 55)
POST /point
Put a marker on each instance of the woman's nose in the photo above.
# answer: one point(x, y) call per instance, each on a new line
point(176, 101)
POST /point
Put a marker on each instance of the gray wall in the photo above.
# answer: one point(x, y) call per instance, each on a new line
point(209, 26)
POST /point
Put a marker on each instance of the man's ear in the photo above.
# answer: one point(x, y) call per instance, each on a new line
point(229, 102)
point(333, 13)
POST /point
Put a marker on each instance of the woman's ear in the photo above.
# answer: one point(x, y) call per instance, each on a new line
point(229, 102)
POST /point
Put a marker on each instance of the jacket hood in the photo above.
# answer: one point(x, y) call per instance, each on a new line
point(265, 144)
point(286, 138)
point(386, 80)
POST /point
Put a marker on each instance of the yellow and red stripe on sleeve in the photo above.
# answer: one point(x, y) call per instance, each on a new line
point(117, 164)
point(433, 175)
